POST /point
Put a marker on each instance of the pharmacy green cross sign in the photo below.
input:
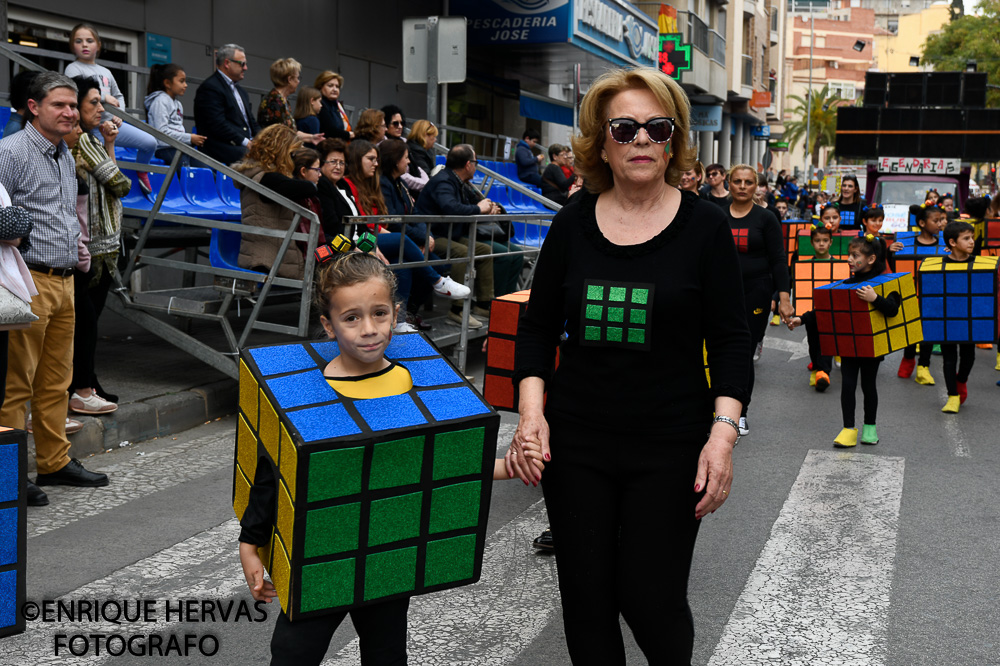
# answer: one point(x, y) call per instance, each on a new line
point(675, 57)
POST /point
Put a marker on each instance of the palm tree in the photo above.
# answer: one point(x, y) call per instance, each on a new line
point(822, 120)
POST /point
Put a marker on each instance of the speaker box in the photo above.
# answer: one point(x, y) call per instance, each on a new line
point(857, 118)
point(974, 90)
point(942, 145)
point(943, 89)
point(895, 119)
point(906, 89)
point(876, 86)
point(982, 147)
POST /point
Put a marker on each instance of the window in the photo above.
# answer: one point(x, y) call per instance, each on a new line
point(845, 90)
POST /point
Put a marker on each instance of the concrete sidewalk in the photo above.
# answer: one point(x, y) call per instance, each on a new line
point(162, 390)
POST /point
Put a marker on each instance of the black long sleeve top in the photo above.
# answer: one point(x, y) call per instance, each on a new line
point(760, 246)
point(887, 305)
point(628, 364)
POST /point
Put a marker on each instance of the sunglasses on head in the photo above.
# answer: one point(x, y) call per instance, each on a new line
point(624, 130)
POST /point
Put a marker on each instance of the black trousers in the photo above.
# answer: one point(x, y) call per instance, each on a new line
point(381, 629)
point(925, 353)
point(89, 304)
point(757, 299)
point(850, 367)
point(957, 371)
point(626, 531)
point(820, 362)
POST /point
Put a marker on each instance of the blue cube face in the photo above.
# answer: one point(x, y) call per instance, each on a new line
point(984, 329)
point(932, 307)
point(957, 330)
point(9, 479)
point(957, 282)
point(931, 283)
point(957, 307)
point(983, 283)
point(8, 598)
point(933, 329)
point(983, 306)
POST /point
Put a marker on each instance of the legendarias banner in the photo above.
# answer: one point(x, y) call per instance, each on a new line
point(497, 22)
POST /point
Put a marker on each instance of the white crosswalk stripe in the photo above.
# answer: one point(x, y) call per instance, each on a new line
point(819, 593)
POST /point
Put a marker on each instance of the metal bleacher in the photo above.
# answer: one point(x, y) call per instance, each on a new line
point(189, 230)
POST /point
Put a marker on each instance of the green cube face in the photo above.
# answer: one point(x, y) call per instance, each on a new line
point(333, 529)
point(454, 507)
point(391, 572)
point(396, 463)
point(458, 453)
point(335, 473)
point(394, 519)
point(449, 560)
point(624, 319)
point(327, 585)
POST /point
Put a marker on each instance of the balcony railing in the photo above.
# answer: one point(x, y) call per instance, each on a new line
point(718, 52)
point(747, 70)
point(698, 34)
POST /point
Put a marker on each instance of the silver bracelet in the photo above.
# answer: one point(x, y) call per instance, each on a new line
point(726, 419)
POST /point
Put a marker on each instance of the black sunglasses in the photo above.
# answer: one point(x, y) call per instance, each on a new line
point(624, 130)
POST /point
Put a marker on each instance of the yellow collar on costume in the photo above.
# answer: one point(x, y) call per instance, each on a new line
point(393, 380)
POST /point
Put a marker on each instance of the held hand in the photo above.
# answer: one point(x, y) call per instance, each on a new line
point(866, 293)
point(715, 475)
point(794, 323)
point(253, 571)
point(785, 309)
point(533, 430)
point(198, 140)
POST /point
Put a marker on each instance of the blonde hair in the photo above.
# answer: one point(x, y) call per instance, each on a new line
point(303, 102)
point(271, 150)
point(747, 167)
point(368, 124)
point(348, 269)
point(325, 77)
point(282, 70)
point(420, 131)
point(588, 144)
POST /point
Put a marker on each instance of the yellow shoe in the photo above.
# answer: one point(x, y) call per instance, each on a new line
point(924, 376)
point(836, 360)
point(951, 407)
point(847, 438)
point(998, 361)
point(775, 320)
point(812, 378)
point(984, 345)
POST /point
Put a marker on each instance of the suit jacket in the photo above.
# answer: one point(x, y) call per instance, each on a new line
point(218, 117)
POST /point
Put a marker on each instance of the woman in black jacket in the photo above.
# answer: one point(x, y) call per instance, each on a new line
point(555, 184)
point(420, 142)
point(333, 120)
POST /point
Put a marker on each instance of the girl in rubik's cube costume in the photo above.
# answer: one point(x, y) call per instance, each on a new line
point(867, 258)
point(931, 219)
point(356, 294)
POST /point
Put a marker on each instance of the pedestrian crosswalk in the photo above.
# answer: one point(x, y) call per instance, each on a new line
point(818, 593)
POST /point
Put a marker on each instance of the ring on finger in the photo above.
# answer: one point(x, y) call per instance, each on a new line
point(725, 492)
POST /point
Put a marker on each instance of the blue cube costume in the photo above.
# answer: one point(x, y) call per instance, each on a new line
point(958, 300)
point(13, 529)
point(378, 498)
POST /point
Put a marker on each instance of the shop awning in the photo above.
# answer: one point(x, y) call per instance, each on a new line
point(546, 109)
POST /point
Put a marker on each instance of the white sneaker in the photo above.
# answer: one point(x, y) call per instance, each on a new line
point(405, 327)
point(757, 352)
point(744, 426)
point(450, 289)
point(92, 404)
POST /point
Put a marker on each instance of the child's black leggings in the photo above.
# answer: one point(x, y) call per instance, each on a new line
point(925, 353)
point(957, 361)
point(820, 362)
point(381, 629)
point(626, 531)
point(850, 367)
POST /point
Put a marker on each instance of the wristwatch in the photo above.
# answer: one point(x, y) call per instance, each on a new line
point(736, 427)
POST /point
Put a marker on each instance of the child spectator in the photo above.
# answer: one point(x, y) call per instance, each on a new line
point(85, 44)
point(307, 106)
point(165, 112)
point(19, 100)
point(822, 366)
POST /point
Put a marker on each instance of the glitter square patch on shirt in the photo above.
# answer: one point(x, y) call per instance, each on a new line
point(617, 314)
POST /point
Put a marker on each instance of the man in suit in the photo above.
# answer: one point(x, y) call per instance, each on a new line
point(222, 110)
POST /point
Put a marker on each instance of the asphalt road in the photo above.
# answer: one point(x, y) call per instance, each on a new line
point(884, 555)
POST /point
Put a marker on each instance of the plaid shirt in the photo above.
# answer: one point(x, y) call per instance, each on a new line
point(41, 178)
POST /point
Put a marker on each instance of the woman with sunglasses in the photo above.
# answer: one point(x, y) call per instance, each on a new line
point(762, 264)
point(626, 418)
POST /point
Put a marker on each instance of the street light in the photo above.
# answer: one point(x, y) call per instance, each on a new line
point(859, 45)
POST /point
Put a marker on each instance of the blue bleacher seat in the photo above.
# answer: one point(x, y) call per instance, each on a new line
point(5, 112)
point(227, 190)
point(136, 199)
point(223, 250)
point(198, 187)
point(125, 154)
point(440, 159)
point(175, 199)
